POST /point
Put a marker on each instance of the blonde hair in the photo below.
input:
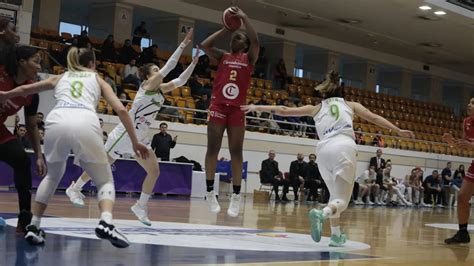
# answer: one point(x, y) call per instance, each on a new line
point(78, 59)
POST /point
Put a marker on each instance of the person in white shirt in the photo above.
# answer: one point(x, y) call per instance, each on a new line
point(131, 73)
point(367, 186)
point(336, 150)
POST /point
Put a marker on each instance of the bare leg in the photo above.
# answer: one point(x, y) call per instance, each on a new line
point(152, 172)
point(236, 140)
point(215, 133)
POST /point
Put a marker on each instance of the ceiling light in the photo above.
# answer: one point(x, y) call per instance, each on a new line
point(424, 7)
point(440, 13)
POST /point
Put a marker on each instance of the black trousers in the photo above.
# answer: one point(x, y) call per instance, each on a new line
point(276, 183)
point(14, 155)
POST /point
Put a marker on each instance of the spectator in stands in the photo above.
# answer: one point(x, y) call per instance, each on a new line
point(41, 134)
point(149, 56)
point(310, 130)
point(280, 76)
point(297, 174)
point(270, 174)
point(162, 143)
point(108, 50)
point(378, 140)
point(198, 89)
point(131, 74)
point(253, 124)
point(359, 136)
point(446, 179)
point(21, 136)
point(313, 180)
point(63, 57)
point(40, 120)
point(127, 53)
point(139, 33)
point(433, 189)
point(203, 68)
point(123, 97)
point(202, 104)
point(263, 100)
point(169, 113)
point(261, 65)
point(111, 82)
point(378, 161)
point(84, 41)
point(458, 177)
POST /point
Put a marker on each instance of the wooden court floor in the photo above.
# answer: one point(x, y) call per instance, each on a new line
point(397, 236)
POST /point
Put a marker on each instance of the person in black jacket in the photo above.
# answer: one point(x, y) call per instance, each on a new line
point(270, 174)
point(297, 173)
point(162, 143)
point(378, 161)
point(314, 180)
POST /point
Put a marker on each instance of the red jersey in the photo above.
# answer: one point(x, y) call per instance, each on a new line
point(468, 127)
point(30, 102)
point(232, 80)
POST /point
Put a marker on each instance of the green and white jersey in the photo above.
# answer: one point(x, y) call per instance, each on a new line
point(334, 119)
point(144, 108)
point(78, 90)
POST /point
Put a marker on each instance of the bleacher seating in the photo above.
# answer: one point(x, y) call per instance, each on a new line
point(429, 121)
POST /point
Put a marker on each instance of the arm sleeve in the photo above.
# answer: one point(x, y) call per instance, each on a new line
point(183, 78)
point(172, 61)
point(32, 108)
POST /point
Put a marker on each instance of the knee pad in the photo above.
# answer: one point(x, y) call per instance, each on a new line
point(340, 205)
point(106, 192)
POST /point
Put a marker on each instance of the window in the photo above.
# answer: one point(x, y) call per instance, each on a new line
point(377, 89)
point(201, 52)
point(298, 72)
point(70, 28)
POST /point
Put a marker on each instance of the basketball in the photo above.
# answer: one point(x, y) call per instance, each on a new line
point(231, 22)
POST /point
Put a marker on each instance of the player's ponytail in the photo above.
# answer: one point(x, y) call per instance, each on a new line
point(331, 86)
point(79, 59)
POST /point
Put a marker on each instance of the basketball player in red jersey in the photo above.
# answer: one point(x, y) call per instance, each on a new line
point(467, 188)
point(228, 94)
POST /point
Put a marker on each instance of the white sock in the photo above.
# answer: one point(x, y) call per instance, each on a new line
point(79, 184)
point(106, 217)
point(327, 212)
point(36, 221)
point(336, 230)
point(143, 201)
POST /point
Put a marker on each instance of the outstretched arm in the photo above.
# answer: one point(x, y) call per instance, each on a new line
point(174, 58)
point(366, 114)
point(252, 34)
point(183, 78)
point(208, 45)
point(24, 90)
point(307, 110)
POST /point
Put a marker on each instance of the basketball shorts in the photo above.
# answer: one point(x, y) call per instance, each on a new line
point(224, 114)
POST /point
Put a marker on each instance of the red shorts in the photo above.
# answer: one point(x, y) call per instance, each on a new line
point(224, 114)
point(470, 173)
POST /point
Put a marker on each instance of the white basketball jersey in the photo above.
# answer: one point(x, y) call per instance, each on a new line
point(78, 90)
point(144, 108)
point(334, 119)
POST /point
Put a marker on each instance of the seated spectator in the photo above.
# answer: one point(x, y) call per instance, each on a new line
point(41, 134)
point(457, 182)
point(123, 97)
point(314, 181)
point(446, 179)
point(263, 100)
point(127, 53)
point(110, 81)
point(261, 65)
point(202, 104)
point(139, 33)
point(252, 123)
point(203, 69)
point(84, 41)
point(169, 113)
point(280, 75)
point(433, 188)
point(149, 56)
point(310, 130)
point(21, 136)
point(40, 120)
point(270, 124)
point(131, 74)
point(270, 174)
point(297, 174)
point(359, 136)
point(378, 140)
point(395, 186)
point(108, 50)
point(198, 89)
point(367, 186)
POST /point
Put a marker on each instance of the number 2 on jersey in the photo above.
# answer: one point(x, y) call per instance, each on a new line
point(76, 89)
point(334, 111)
point(233, 75)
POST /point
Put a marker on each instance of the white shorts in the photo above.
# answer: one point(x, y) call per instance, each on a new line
point(119, 144)
point(337, 160)
point(76, 130)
